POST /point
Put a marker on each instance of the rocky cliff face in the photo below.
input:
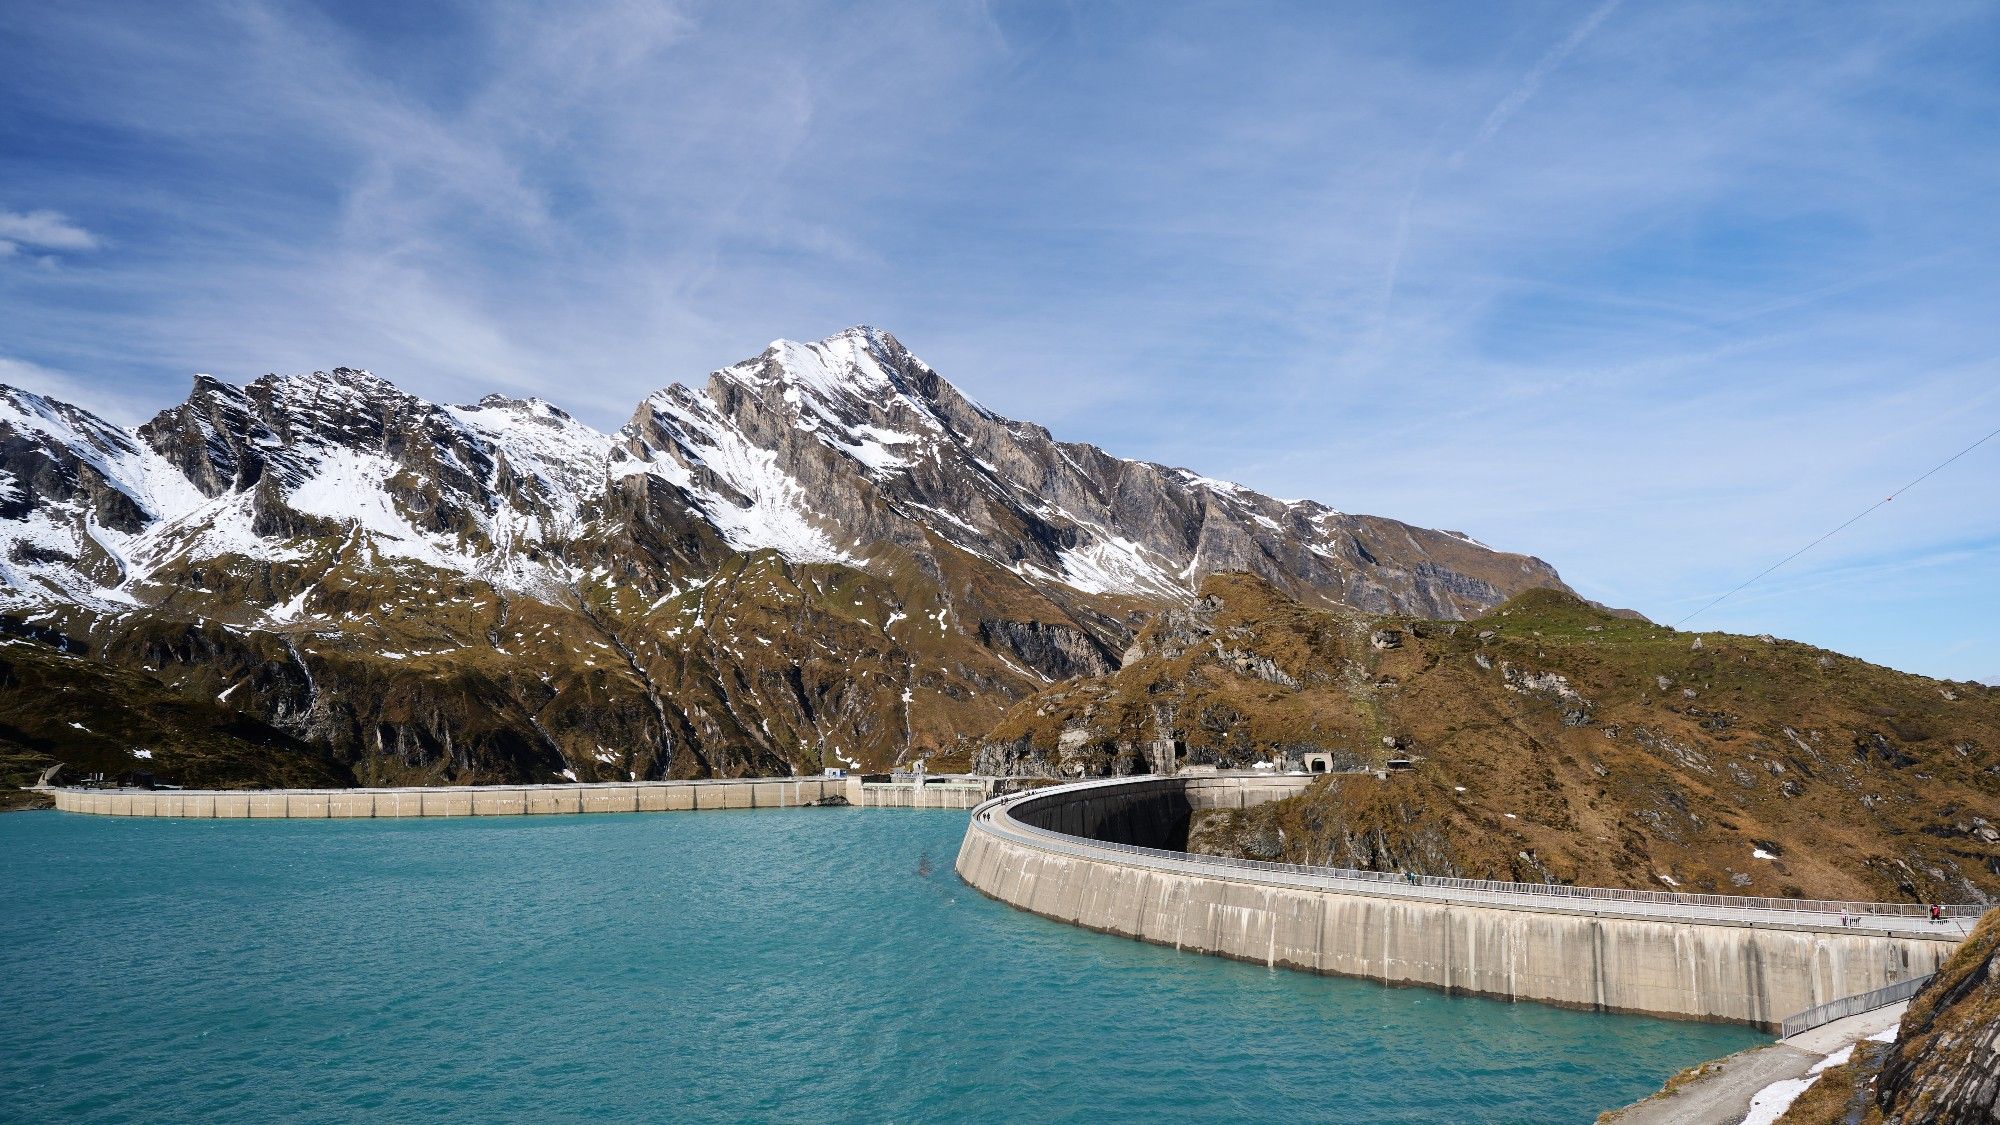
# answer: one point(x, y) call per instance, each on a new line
point(822, 555)
point(1945, 1066)
point(1546, 741)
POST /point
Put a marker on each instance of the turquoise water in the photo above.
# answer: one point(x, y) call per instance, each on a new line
point(798, 965)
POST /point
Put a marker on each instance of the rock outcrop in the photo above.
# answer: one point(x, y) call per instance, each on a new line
point(1945, 1066)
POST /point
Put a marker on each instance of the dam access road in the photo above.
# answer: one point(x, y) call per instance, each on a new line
point(1104, 855)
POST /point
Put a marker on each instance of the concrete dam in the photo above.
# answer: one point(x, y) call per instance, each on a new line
point(1105, 855)
point(936, 792)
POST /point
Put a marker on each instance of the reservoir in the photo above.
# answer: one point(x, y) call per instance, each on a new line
point(803, 965)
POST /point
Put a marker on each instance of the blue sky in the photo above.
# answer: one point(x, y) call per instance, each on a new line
point(1658, 292)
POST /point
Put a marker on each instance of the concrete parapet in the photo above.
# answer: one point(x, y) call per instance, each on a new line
point(942, 792)
point(350, 804)
point(484, 800)
point(1603, 956)
point(543, 802)
point(499, 802)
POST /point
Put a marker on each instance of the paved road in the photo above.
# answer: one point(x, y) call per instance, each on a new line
point(1722, 1096)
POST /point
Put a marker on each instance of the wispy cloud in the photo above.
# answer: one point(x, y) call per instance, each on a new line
point(1702, 275)
point(49, 230)
point(41, 230)
point(1531, 84)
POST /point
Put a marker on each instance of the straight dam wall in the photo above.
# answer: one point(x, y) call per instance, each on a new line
point(469, 800)
point(1653, 957)
point(942, 792)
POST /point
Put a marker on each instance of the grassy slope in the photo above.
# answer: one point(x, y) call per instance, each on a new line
point(56, 707)
point(1677, 755)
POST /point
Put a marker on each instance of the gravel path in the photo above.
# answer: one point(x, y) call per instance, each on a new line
point(1722, 1096)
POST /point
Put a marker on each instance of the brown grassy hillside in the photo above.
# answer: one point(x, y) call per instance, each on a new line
point(93, 718)
point(1552, 740)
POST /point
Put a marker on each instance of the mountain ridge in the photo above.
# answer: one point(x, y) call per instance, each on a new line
point(224, 439)
point(837, 505)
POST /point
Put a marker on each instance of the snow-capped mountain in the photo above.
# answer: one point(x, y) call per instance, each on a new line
point(327, 512)
point(825, 453)
point(829, 451)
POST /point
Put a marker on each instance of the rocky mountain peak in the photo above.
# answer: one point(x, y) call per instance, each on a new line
point(886, 447)
point(862, 378)
point(27, 413)
point(530, 407)
point(339, 381)
point(861, 360)
point(832, 451)
point(330, 402)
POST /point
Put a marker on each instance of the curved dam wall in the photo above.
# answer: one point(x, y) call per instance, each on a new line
point(1755, 969)
point(1150, 812)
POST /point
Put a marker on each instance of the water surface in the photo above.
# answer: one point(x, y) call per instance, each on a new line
point(781, 965)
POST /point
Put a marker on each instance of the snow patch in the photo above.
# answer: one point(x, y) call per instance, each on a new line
point(1771, 1102)
point(1108, 563)
point(292, 608)
point(740, 488)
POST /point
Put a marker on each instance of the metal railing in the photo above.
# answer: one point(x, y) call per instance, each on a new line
point(1852, 1005)
point(1738, 908)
